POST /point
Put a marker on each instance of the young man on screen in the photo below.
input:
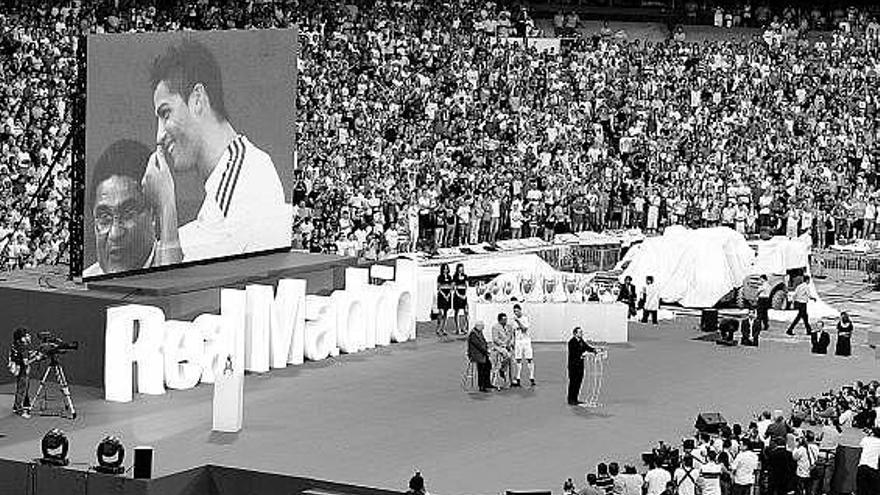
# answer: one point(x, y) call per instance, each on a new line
point(125, 228)
point(243, 209)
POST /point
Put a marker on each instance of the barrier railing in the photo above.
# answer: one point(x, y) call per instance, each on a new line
point(844, 266)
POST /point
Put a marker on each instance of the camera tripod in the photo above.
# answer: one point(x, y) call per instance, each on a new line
point(69, 410)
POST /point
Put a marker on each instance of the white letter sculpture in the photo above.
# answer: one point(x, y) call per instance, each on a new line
point(121, 351)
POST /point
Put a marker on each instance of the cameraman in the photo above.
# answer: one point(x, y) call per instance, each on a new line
point(20, 358)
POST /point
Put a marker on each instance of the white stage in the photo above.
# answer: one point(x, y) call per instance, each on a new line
point(553, 322)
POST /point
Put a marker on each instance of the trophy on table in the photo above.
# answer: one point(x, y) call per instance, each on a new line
point(588, 291)
point(493, 291)
point(549, 287)
point(571, 288)
point(481, 290)
point(526, 286)
point(508, 288)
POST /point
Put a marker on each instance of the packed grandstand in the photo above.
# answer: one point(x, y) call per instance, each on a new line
point(423, 125)
point(420, 126)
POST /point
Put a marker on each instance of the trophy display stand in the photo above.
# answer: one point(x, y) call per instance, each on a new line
point(596, 377)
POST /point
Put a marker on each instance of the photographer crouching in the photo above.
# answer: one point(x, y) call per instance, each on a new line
point(20, 358)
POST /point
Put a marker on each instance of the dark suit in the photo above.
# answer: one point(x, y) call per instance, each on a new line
point(576, 348)
point(478, 353)
point(750, 332)
point(781, 468)
point(821, 341)
point(627, 295)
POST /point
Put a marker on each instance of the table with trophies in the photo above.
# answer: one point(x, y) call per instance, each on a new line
point(555, 304)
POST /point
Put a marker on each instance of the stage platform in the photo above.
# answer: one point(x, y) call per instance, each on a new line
point(373, 417)
point(257, 269)
point(44, 299)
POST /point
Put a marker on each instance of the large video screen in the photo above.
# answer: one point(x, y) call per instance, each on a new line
point(189, 147)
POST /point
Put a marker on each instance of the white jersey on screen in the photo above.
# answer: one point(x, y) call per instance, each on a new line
point(244, 209)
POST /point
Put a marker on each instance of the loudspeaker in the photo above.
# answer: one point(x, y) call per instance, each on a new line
point(710, 422)
point(709, 320)
point(143, 462)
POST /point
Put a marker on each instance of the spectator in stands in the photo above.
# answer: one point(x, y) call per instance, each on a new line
point(402, 124)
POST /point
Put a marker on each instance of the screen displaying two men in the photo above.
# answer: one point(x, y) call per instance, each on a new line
point(189, 147)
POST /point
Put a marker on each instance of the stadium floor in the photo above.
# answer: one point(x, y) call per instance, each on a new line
point(374, 417)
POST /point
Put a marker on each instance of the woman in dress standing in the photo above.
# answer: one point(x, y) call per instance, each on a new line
point(444, 299)
point(459, 298)
point(844, 335)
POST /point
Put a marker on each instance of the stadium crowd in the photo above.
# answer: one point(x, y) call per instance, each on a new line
point(422, 125)
point(772, 455)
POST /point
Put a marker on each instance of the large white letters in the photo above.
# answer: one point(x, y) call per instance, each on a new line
point(259, 319)
point(261, 328)
point(121, 351)
point(184, 348)
point(288, 323)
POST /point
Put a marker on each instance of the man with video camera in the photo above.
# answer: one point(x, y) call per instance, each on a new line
point(20, 359)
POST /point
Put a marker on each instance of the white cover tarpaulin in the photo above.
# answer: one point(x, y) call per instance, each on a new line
point(779, 254)
point(694, 268)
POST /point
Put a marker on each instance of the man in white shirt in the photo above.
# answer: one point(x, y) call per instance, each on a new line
point(710, 475)
point(656, 479)
point(522, 345)
point(805, 455)
point(686, 477)
point(244, 209)
point(651, 297)
point(764, 293)
point(802, 296)
point(867, 477)
point(763, 424)
point(743, 470)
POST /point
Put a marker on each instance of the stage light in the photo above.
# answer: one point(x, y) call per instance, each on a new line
point(54, 447)
point(110, 453)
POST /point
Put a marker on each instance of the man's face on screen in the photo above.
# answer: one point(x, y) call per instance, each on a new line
point(177, 129)
point(124, 230)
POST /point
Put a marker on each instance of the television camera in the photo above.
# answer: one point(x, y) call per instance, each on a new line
point(52, 345)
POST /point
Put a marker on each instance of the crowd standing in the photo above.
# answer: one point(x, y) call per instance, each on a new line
point(424, 125)
point(774, 454)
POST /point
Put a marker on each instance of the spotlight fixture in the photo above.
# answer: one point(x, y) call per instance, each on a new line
point(110, 453)
point(54, 447)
